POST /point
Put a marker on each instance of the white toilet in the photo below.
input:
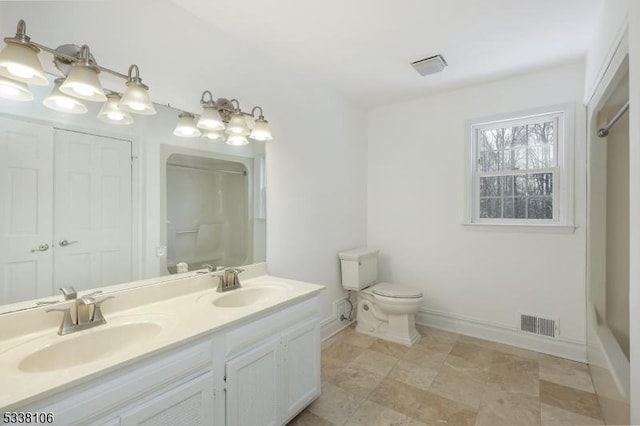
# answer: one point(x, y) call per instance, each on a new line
point(385, 310)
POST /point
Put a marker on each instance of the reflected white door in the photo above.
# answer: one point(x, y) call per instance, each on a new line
point(92, 229)
point(26, 202)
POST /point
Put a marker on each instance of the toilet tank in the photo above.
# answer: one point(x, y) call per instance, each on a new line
point(359, 268)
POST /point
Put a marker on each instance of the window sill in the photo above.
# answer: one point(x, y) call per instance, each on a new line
point(521, 227)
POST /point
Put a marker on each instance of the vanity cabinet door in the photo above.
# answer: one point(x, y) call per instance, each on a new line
point(190, 404)
point(300, 368)
point(253, 387)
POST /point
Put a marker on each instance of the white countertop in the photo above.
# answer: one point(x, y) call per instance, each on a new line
point(180, 304)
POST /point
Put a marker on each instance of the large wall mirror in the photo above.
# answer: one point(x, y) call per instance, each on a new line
point(88, 204)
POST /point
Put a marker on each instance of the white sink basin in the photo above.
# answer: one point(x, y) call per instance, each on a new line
point(250, 296)
point(88, 346)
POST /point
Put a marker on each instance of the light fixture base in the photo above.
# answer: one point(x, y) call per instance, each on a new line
point(63, 64)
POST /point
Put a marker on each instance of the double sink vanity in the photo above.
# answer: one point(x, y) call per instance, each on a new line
point(173, 350)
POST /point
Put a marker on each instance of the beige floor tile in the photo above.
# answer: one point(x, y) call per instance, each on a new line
point(355, 379)
point(436, 410)
point(375, 362)
point(567, 398)
point(554, 416)
point(398, 396)
point(328, 365)
point(467, 368)
point(565, 372)
point(342, 351)
point(426, 357)
point(455, 386)
point(351, 336)
point(307, 418)
point(389, 348)
point(614, 412)
point(335, 404)
point(331, 340)
point(516, 374)
point(372, 414)
point(479, 356)
point(413, 374)
point(502, 408)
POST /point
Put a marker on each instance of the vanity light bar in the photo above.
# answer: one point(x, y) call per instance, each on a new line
point(19, 62)
point(223, 120)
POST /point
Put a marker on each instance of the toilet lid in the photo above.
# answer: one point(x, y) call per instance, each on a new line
point(395, 290)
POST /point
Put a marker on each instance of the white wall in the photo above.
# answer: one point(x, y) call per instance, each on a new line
point(416, 183)
point(316, 166)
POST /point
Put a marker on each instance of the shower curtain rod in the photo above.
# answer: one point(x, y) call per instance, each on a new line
point(605, 130)
point(233, 172)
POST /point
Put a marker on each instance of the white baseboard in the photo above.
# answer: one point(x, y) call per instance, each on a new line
point(560, 347)
point(332, 325)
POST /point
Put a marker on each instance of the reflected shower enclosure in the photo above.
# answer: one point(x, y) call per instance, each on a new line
point(208, 211)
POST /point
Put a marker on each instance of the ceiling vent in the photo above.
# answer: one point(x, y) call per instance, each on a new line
point(430, 65)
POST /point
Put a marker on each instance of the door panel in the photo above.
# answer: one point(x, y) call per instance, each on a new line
point(26, 203)
point(252, 387)
point(92, 210)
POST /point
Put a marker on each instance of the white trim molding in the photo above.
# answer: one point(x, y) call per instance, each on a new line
point(496, 332)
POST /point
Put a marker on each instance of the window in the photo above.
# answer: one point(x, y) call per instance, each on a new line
point(519, 171)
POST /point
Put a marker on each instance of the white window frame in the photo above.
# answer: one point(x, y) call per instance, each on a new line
point(562, 172)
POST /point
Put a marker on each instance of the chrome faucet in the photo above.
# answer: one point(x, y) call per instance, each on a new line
point(227, 278)
point(87, 311)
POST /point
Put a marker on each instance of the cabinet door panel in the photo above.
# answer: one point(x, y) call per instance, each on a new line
point(300, 367)
point(252, 387)
point(190, 404)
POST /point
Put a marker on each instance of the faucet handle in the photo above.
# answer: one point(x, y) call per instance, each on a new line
point(88, 299)
point(69, 293)
point(97, 311)
point(237, 270)
point(209, 267)
point(67, 323)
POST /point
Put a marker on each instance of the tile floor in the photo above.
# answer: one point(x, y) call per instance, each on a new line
point(447, 379)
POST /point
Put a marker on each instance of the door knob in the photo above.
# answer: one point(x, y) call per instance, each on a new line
point(41, 247)
point(65, 243)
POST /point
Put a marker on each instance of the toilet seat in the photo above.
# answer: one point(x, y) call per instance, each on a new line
point(395, 291)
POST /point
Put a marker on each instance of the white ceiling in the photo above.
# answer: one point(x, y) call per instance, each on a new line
point(362, 48)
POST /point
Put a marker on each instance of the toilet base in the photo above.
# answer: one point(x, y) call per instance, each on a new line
point(372, 321)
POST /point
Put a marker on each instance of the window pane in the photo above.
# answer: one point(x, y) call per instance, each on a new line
point(541, 157)
point(491, 161)
point(540, 184)
point(490, 208)
point(541, 133)
point(520, 207)
point(507, 185)
point(508, 209)
point(540, 208)
point(489, 186)
point(519, 135)
point(486, 140)
point(519, 159)
point(520, 185)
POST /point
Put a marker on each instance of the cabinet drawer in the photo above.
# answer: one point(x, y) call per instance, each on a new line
point(112, 391)
point(245, 336)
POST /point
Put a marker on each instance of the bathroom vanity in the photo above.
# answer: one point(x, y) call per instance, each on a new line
point(174, 351)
